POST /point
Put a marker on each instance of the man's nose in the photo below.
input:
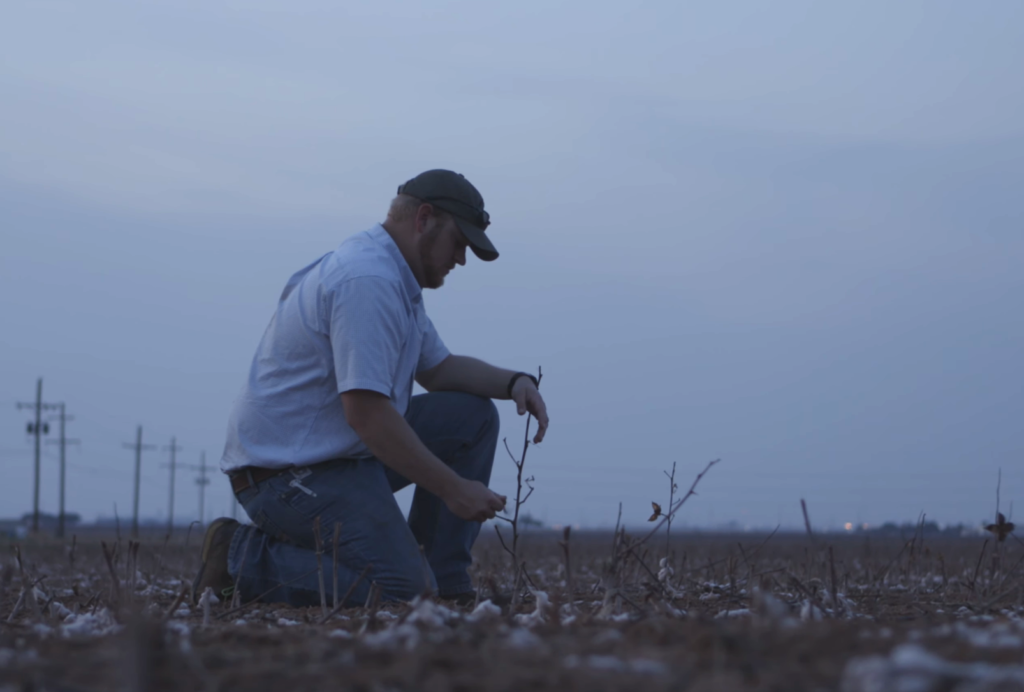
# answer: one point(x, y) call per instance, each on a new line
point(460, 256)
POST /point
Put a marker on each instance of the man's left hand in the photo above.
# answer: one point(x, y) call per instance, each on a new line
point(527, 398)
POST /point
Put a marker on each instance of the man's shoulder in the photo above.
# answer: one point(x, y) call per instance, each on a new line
point(360, 256)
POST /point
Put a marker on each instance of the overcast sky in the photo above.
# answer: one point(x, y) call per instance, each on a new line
point(787, 234)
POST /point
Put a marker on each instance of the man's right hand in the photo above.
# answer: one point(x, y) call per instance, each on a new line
point(474, 501)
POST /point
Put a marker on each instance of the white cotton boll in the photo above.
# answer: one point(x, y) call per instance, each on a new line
point(96, 624)
point(400, 636)
point(484, 610)
point(810, 612)
point(58, 610)
point(738, 613)
point(285, 622)
point(537, 616)
point(42, 630)
point(645, 666)
point(339, 634)
point(521, 638)
point(429, 613)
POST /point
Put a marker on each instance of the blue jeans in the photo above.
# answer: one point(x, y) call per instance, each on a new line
point(277, 553)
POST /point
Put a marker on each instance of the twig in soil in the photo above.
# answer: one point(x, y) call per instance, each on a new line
point(236, 593)
point(182, 595)
point(885, 572)
point(977, 568)
point(115, 585)
point(265, 593)
point(372, 606)
point(520, 482)
point(318, 541)
point(569, 587)
point(672, 487)
point(17, 606)
point(204, 603)
point(674, 508)
point(807, 520)
point(351, 589)
point(832, 572)
point(427, 590)
point(334, 563)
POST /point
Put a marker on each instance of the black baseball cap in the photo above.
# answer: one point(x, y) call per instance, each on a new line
point(454, 194)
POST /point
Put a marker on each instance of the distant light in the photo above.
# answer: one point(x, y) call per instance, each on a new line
point(848, 526)
point(865, 526)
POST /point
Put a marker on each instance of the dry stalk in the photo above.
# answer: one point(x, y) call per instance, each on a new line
point(115, 585)
point(428, 591)
point(204, 602)
point(569, 587)
point(319, 542)
point(673, 509)
point(236, 592)
point(832, 571)
point(372, 606)
point(351, 589)
point(520, 463)
point(182, 595)
point(672, 487)
point(334, 563)
point(257, 599)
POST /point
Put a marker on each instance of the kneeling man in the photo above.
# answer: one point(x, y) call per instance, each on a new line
point(327, 427)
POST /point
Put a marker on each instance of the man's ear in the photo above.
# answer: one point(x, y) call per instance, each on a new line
point(423, 214)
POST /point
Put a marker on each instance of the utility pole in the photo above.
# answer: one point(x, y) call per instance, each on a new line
point(138, 447)
point(63, 442)
point(202, 480)
point(170, 503)
point(38, 429)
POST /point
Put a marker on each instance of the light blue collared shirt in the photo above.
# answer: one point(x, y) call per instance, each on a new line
point(354, 319)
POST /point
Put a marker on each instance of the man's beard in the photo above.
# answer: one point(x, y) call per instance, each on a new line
point(433, 276)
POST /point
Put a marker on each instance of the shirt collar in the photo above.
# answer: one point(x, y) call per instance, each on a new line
point(409, 282)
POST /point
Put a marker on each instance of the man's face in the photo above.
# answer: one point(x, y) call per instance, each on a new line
point(442, 246)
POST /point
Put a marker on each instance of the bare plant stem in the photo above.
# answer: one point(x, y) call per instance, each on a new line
point(569, 587)
point(319, 542)
point(520, 500)
point(115, 584)
point(674, 508)
point(671, 499)
point(349, 592)
point(334, 563)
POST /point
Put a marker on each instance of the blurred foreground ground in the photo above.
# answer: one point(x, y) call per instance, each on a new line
point(723, 612)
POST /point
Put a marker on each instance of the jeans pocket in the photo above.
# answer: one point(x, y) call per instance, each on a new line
point(267, 526)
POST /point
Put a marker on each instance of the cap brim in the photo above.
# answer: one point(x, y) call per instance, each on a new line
point(478, 240)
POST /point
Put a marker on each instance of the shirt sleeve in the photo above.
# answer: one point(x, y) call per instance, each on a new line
point(369, 324)
point(433, 350)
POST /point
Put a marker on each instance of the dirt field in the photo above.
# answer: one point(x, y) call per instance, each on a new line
point(726, 612)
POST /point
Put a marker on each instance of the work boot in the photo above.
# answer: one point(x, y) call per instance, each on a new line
point(213, 571)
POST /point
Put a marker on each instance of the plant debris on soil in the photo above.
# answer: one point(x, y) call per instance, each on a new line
point(594, 611)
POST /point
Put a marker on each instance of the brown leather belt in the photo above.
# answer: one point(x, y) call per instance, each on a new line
point(251, 476)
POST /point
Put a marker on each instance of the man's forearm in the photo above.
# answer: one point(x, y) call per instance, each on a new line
point(390, 438)
point(470, 375)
